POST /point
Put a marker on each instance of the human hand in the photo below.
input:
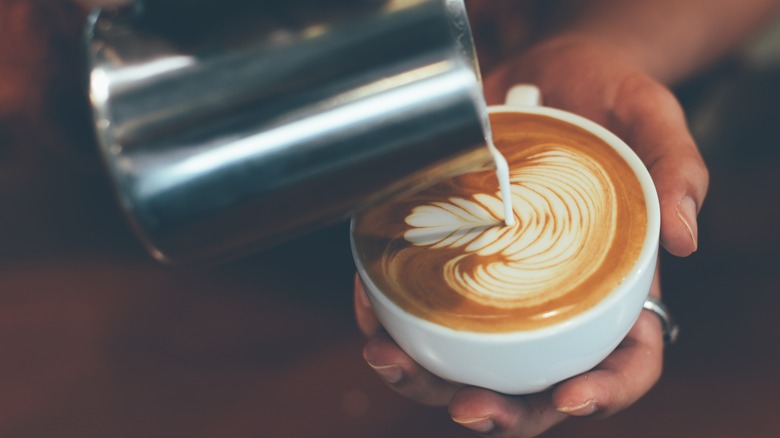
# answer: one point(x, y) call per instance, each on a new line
point(617, 382)
point(588, 77)
point(585, 77)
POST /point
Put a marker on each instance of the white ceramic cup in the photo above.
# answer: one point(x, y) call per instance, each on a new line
point(530, 361)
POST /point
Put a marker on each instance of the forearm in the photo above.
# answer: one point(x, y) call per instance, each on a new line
point(669, 39)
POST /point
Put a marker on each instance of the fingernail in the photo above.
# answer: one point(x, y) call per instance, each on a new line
point(686, 211)
point(480, 424)
point(581, 410)
point(390, 373)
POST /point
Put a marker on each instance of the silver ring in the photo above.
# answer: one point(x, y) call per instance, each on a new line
point(670, 328)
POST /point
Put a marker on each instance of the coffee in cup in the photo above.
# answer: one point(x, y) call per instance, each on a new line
point(586, 227)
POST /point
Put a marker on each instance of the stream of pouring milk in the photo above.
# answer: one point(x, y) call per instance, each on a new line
point(502, 172)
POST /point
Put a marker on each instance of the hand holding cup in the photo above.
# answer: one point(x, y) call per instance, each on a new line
point(646, 116)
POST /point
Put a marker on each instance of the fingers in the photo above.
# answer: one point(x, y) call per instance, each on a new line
point(366, 320)
point(651, 121)
point(627, 374)
point(404, 375)
point(637, 108)
point(392, 364)
point(624, 376)
point(502, 416)
point(620, 380)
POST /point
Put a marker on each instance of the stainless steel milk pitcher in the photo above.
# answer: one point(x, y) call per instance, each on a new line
point(227, 130)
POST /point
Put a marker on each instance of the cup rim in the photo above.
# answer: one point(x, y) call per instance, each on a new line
point(646, 259)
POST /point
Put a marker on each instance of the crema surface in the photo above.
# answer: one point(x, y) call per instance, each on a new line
point(446, 255)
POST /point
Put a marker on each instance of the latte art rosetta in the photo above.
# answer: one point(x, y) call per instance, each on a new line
point(562, 200)
point(446, 255)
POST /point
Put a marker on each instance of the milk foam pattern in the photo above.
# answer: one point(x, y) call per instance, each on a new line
point(565, 218)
